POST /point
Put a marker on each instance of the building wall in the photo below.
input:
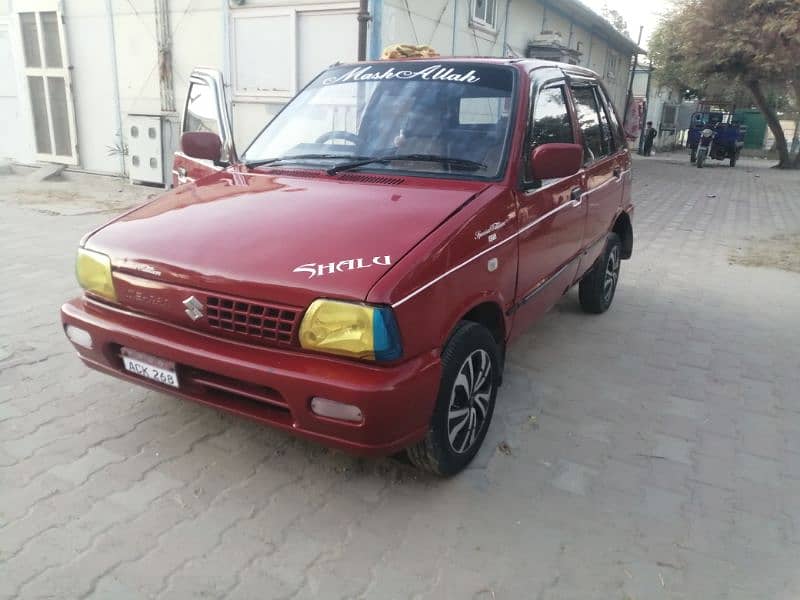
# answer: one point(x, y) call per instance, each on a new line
point(267, 50)
point(12, 124)
point(446, 25)
point(92, 57)
point(659, 96)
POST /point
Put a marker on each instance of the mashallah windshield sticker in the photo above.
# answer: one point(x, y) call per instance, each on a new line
point(351, 264)
point(432, 73)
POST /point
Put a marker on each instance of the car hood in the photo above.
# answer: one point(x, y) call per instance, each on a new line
point(285, 236)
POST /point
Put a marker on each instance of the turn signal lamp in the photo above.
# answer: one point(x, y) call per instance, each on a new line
point(94, 273)
point(349, 329)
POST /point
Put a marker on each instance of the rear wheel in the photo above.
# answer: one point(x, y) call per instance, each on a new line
point(734, 157)
point(465, 404)
point(693, 156)
point(596, 289)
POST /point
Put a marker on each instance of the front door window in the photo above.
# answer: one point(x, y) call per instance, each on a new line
point(551, 122)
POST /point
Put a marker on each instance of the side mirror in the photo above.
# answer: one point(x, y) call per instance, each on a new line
point(205, 145)
point(551, 161)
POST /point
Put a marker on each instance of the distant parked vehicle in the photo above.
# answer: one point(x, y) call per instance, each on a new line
point(715, 135)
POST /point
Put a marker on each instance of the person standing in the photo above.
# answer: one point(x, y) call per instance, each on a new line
point(649, 136)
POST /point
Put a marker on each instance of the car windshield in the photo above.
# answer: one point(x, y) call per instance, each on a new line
point(437, 118)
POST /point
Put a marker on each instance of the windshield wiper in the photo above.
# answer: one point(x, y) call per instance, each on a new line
point(268, 161)
point(459, 163)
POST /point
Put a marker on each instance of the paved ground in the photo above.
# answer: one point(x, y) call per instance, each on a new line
point(653, 452)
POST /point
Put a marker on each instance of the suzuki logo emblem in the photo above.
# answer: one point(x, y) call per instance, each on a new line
point(194, 308)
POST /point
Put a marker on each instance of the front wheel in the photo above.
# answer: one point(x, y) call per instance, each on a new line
point(701, 158)
point(596, 289)
point(465, 403)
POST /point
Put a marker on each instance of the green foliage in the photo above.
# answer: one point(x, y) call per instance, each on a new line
point(722, 47)
point(616, 19)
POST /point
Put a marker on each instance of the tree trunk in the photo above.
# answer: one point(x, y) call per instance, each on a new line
point(784, 161)
point(796, 88)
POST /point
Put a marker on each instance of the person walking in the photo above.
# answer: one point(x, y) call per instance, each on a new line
point(649, 136)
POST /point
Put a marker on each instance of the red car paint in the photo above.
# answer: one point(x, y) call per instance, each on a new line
point(433, 248)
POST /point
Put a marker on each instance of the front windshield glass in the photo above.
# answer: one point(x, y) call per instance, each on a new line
point(456, 115)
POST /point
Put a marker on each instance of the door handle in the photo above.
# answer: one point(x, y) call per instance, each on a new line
point(576, 196)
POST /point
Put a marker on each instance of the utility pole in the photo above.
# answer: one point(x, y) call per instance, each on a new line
point(633, 74)
point(646, 107)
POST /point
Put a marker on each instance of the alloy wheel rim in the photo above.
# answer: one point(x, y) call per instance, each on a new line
point(612, 274)
point(469, 401)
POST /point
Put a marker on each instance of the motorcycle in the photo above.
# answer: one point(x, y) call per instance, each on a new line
point(715, 138)
point(704, 146)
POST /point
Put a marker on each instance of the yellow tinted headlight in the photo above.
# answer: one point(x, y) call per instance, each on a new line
point(338, 328)
point(348, 329)
point(94, 273)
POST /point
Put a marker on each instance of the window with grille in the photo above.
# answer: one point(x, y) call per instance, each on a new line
point(49, 90)
point(483, 12)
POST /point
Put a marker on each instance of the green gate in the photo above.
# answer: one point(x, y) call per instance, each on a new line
point(756, 127)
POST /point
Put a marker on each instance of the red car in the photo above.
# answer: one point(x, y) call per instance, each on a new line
point(355, 275)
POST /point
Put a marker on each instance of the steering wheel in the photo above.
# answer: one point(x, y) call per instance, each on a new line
point(338, 135)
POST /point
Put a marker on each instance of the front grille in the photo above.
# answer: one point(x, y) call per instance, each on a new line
point(267, 322)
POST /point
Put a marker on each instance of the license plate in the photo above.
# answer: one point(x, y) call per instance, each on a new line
point(150, 367)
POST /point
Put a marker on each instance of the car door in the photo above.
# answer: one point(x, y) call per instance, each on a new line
point(551, 215)
point(205, 109)
point(601, 178)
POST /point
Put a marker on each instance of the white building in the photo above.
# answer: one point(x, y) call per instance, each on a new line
point(81, 81)
point(665, 108)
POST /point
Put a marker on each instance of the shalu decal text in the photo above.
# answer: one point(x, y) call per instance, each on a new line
point(433, 73)
point(351, 264)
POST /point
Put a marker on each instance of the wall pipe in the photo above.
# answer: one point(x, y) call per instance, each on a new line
point(112, 42)
point(363, 19)
point(455, 12)
point(376, 32)
point(505, 29)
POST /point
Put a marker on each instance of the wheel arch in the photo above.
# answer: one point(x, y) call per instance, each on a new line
point(489, 314)
point(624, 229)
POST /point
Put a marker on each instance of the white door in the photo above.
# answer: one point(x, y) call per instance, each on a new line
point(47, 76)
point(276, 50)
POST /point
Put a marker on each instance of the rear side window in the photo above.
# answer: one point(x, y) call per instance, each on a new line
point(616, 130)
point(595, 142)
point(551, 122)
point(605, 125)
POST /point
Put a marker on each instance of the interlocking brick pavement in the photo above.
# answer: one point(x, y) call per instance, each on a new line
point(654, 450)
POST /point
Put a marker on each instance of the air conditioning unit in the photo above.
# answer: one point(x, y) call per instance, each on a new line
point(145, 156)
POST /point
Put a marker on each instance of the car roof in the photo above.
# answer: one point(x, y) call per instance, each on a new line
point(527, 64)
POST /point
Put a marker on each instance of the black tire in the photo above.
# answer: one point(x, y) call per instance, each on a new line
point(693, 156)
point(700, 160)
point(596, 289)
point(733, 160)
point(452, 442)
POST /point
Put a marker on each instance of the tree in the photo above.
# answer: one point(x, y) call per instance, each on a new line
point(616, 20)
point(706, 44)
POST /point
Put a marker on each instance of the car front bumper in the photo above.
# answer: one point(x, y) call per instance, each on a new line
point(270, 385)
